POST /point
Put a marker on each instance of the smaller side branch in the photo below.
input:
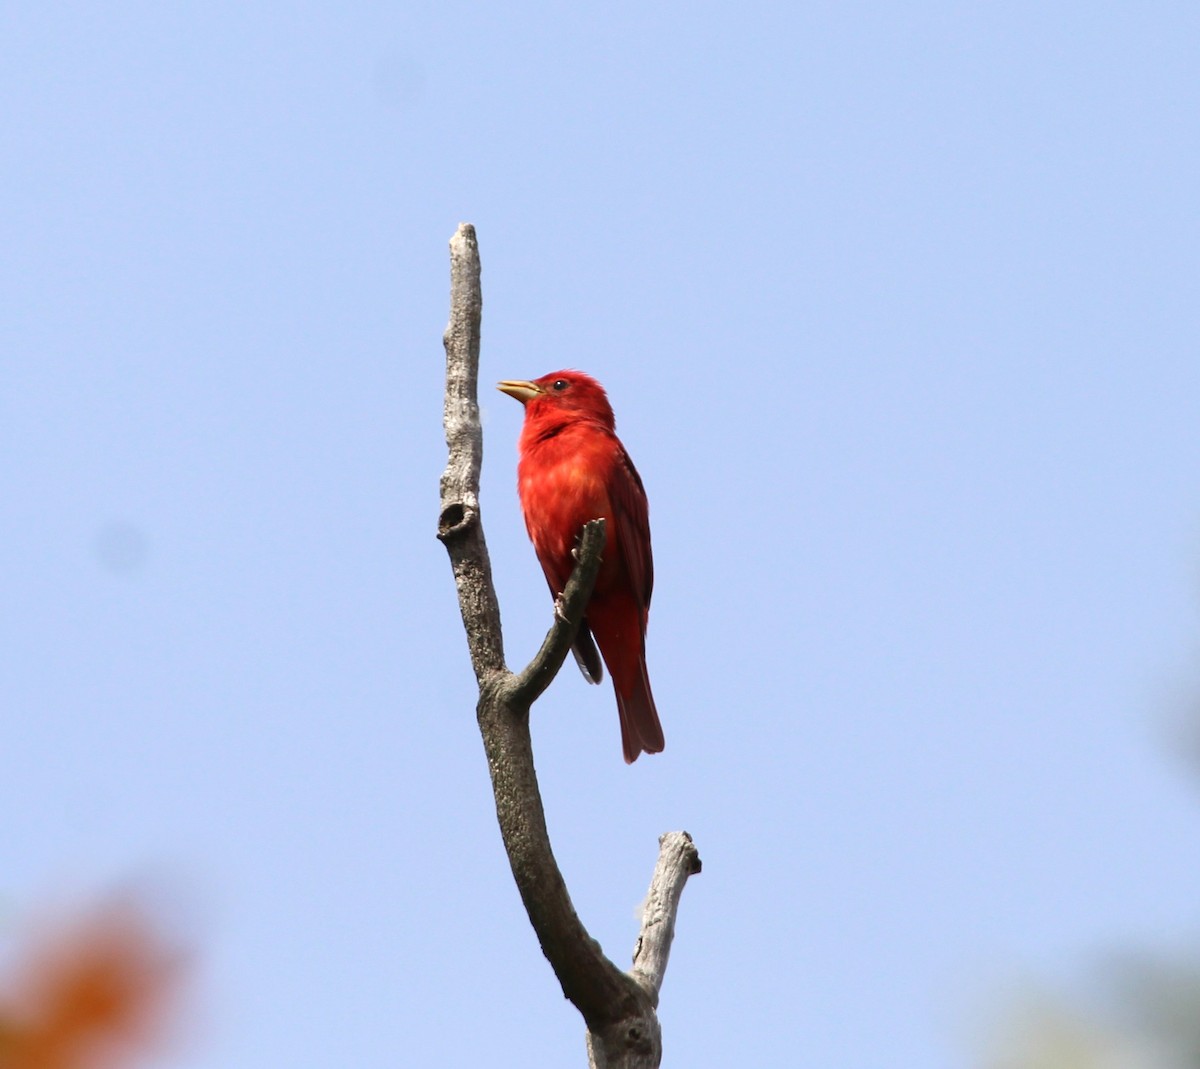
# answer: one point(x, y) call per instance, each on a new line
point(568, 612)
point(678, 859)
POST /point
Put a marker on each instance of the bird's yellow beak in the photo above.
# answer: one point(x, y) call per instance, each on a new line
point(521, 390)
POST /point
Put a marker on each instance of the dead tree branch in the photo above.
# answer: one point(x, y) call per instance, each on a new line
point(618, 1007)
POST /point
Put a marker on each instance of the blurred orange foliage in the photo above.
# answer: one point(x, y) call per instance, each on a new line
point(90, 992)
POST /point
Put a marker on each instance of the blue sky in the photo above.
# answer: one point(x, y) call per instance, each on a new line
point(897, 307)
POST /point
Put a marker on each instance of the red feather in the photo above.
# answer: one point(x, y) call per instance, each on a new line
point(573, 469)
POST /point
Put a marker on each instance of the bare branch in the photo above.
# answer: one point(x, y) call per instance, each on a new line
point(633, 1043)
point(568, 612)
point(623, 1030)
point(678, 859)
point(459, 525)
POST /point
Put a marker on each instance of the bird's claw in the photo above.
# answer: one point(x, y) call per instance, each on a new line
point(560, 611)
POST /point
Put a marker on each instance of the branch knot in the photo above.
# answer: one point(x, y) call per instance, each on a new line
point(456, 520)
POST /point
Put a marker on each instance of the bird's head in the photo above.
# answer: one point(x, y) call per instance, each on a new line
point(561, 394)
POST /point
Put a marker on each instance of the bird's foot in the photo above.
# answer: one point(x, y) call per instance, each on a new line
point(560, 610)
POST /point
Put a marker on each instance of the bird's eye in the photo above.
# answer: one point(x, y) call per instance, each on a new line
point(559, 385)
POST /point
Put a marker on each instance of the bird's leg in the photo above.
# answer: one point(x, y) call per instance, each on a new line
point(558, 601)
point(575, 547)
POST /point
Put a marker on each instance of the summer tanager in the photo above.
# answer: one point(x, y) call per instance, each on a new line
point(573, 469)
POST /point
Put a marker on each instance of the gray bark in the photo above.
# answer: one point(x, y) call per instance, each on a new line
point(617, 1007)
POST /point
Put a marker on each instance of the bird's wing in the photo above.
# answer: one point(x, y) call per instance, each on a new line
point(630, 510)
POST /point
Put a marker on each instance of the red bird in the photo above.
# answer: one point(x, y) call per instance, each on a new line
point(573, 469)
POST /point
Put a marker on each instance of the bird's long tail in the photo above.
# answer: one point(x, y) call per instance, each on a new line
point(640, 727)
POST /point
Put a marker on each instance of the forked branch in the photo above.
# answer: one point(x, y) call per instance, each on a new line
point(618, 1007)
